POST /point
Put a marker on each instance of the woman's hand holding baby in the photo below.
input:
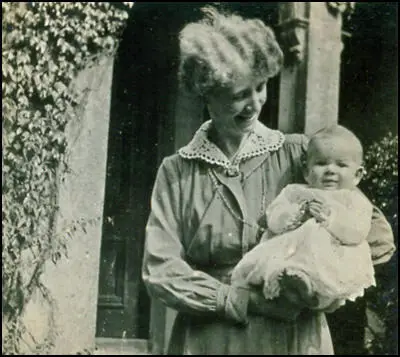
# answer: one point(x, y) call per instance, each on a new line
point(280, 308)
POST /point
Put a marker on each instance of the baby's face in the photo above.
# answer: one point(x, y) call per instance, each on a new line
point(333, 166)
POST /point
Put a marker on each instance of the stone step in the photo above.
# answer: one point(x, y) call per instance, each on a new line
point(116, 346)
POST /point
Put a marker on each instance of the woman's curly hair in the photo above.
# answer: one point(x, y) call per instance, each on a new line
point(214, 50)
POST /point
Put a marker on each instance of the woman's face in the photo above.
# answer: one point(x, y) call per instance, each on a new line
point(234, 110)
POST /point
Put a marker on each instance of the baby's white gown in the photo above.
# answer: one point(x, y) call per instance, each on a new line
point(332, 259)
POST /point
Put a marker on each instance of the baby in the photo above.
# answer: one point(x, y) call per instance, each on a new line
point(320, 252)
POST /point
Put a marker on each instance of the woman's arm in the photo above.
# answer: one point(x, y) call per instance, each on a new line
point(169, 278)
point(166, 274)
point(380, 238)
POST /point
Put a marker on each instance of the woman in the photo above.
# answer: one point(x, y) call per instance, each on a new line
point(209, 200)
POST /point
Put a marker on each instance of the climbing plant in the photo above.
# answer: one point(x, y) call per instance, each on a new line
point(381, 185)
point(44, 46)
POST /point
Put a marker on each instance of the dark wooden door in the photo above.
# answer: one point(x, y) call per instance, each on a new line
point(143, 89)
point(129, 176)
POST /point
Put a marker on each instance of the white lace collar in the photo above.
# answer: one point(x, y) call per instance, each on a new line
point(261, 141)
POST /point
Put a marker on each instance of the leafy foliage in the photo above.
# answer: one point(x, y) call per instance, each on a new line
point(44, 47)
point(381, 177)
point(381, 184)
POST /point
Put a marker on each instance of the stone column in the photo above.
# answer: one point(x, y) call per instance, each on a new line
point(310, 34)
point(73, 282)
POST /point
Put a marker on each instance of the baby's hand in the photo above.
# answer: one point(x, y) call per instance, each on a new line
point(319, 210)
point(304, 213)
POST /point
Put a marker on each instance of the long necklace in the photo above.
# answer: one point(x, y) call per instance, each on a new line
point(233, 169)
point(231, 210)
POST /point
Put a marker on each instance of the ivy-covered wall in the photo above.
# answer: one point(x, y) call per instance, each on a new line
point(49, 109)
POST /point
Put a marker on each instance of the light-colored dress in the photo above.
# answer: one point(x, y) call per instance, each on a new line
point(195, 236)
point(331, 258)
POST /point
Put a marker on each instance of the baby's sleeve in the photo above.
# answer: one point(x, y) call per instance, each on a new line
point(285, 213)
point(350, 219)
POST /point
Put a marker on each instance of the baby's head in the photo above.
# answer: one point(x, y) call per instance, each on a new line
point(334, 159)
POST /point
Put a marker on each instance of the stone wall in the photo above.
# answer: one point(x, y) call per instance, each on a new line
point(73, 282)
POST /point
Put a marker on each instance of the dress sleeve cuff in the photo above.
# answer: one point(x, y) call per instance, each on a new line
point(232, 302)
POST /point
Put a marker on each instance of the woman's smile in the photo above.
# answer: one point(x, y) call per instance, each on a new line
point(243, 120)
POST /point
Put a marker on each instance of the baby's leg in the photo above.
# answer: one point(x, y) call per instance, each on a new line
point(298, 289)
point(250, 268)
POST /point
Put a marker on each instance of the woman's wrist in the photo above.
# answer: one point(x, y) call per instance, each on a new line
point(232, 302)
point(235, 303)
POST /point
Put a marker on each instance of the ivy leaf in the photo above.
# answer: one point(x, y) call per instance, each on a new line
point(28, 70)
point(60, 87)
point(23, 100)
point(8, 71)
point(41, 47)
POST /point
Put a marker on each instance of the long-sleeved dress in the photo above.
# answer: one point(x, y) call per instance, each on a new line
point(332, 259)
point(205, 215)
